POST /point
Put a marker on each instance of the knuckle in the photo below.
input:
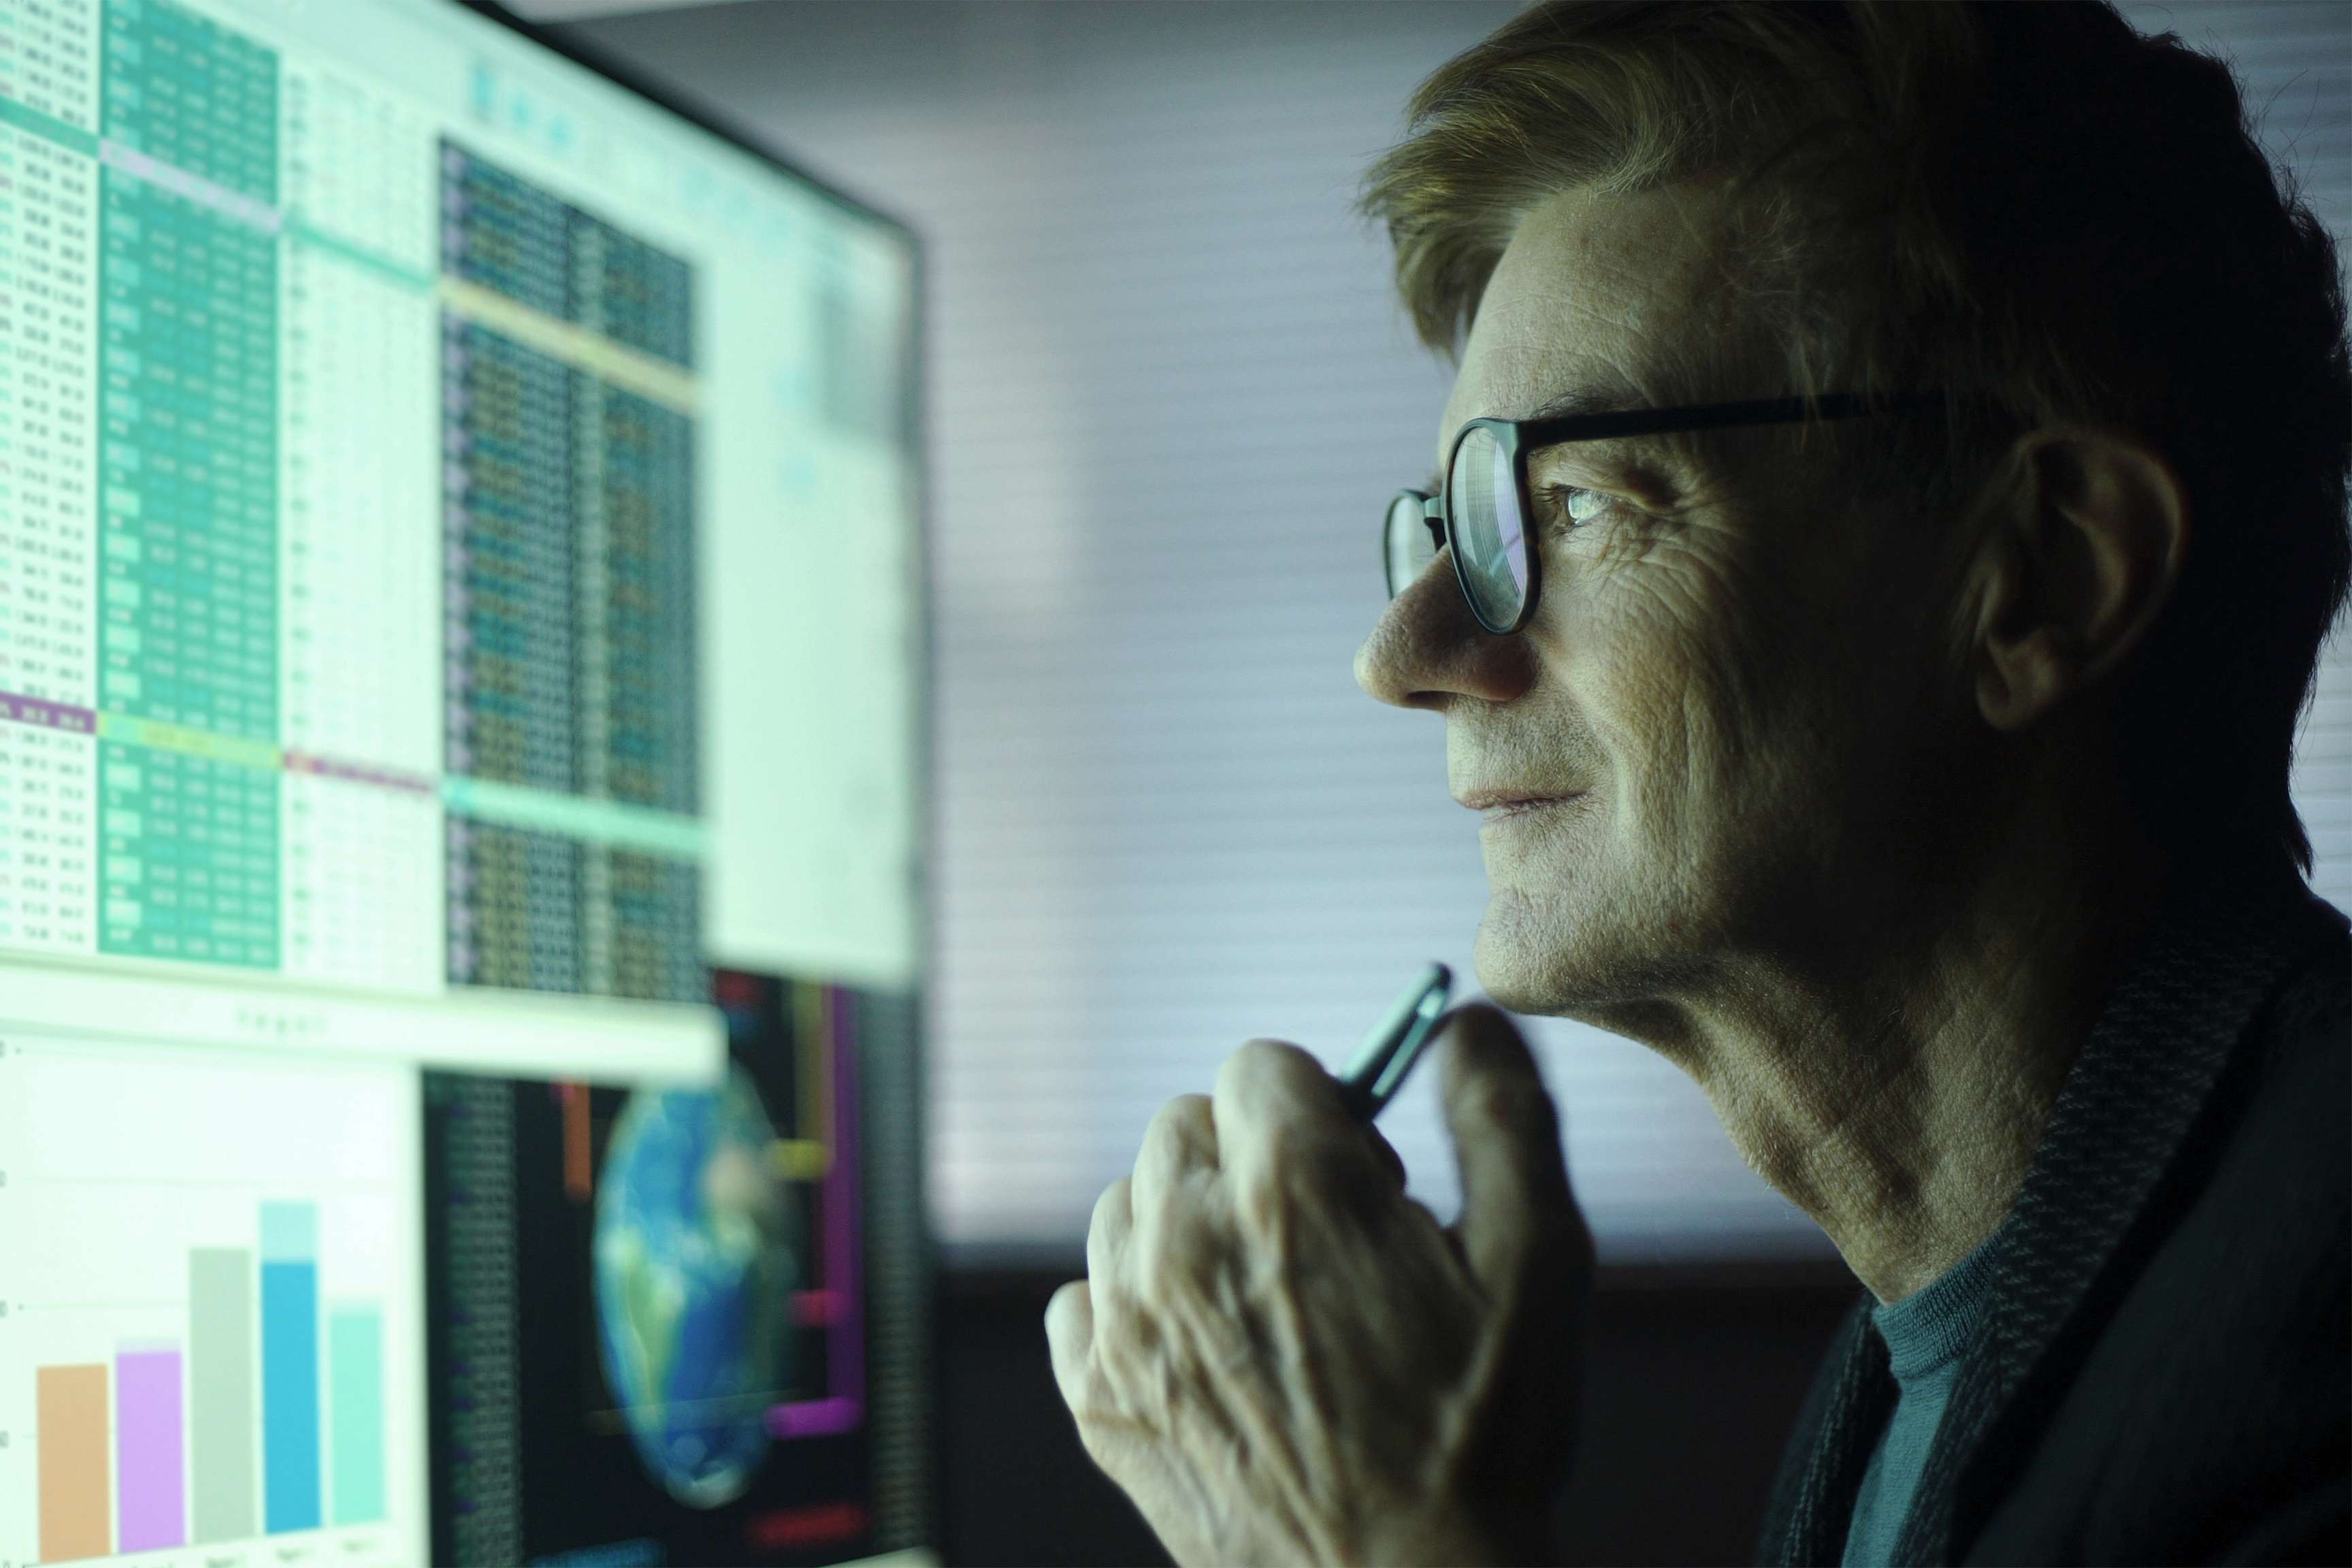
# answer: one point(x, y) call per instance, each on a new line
point(1181, 1259)
point(1131, 1340)
point(1262, 1067)
point(1111, 1209)
point(1287, 1175)
point(1179, 1124)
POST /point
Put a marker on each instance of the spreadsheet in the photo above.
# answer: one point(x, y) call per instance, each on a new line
point(384, 498)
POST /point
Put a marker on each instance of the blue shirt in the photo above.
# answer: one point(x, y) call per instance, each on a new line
point(1925, 1334)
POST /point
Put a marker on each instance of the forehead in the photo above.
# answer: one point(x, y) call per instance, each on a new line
point(1619, 294)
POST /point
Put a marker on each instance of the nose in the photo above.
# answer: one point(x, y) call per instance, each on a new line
point(1427, 648)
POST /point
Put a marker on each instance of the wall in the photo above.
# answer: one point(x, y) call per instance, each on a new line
point(1170, 396)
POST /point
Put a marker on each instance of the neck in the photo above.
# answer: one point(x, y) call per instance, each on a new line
point(1893, 1075)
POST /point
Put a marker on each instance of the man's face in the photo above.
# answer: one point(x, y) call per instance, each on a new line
point(1720, 696)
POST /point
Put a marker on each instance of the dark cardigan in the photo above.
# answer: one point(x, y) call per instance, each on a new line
point(2163, 1374)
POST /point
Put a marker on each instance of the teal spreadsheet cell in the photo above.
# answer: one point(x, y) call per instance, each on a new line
point(190, 851)
point(187, 473)
point(187, 91)
point(188, 464)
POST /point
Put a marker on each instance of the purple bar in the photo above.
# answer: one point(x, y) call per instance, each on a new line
point(844, 1270)
point(153, 1507)
point(15, 708)
point(814, 1417)
point(360, 773)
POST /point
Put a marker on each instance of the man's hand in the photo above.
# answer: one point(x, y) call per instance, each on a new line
point(1282, 1359)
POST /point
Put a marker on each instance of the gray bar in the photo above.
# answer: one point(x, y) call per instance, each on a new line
point(221, 1421)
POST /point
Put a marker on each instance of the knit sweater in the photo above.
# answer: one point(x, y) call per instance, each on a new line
point(2162, 1371)
point(1926, 1334)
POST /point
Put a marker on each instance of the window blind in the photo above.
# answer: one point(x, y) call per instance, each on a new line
point(1169, 393)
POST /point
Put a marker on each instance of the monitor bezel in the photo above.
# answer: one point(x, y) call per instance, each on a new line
point(702, 115)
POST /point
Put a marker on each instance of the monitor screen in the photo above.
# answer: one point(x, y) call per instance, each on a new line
point(460, 808)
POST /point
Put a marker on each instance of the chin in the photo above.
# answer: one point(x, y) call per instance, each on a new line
point(1583, 950)
point(1530, 954)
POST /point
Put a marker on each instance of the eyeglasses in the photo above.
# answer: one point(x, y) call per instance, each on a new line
point(1482, 506)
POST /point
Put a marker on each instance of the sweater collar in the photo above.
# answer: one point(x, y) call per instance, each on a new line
point(1929, 1329)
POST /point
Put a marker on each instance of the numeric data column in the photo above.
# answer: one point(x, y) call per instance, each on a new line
point(48, 293)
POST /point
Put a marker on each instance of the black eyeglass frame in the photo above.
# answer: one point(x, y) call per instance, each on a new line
point(1520, 439)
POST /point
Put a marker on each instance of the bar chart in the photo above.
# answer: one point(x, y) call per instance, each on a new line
point(219, 1341)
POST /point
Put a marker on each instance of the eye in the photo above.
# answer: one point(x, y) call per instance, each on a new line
point(1575, 505)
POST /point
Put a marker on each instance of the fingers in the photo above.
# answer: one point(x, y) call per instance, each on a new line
point(1070, 1314)
point(1279, 1121)
point(1516, 1201)
point(1182, 1139)
point(1107, 1235)
point(1070, 1337)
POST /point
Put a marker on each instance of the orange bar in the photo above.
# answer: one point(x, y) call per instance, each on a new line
point(69, 1404)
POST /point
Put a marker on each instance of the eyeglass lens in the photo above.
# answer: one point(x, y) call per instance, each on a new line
point(1489, 538)
point(1410, 548)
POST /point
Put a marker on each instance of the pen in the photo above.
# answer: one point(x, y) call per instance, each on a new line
point(1371, 1081)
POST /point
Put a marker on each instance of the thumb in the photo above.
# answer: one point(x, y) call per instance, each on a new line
point(1516, 1201)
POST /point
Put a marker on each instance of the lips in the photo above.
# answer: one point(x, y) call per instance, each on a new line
point(1509, 801)
point(1518, 812)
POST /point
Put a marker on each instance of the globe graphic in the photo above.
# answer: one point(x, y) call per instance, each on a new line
point(696, 1259)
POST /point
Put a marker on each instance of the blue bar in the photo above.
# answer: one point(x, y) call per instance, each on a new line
point(290, 1367)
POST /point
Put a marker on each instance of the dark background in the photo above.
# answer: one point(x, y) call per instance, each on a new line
point(583, 1487)
point(1691, 1379)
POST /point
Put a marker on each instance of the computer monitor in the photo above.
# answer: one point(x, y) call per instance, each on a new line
point(461, 801)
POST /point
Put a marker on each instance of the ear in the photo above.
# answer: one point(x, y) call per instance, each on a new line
point(2082, 556)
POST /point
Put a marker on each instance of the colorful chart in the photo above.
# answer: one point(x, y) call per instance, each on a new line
point(211, 1331)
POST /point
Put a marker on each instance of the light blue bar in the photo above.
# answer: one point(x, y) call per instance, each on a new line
point(290, 1367)
point(290, 1233)
point(623, 826)
point(355, 1404)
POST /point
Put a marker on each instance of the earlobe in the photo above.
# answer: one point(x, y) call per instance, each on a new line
point(2024, 680)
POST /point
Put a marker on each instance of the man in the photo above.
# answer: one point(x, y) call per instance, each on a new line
point(1908, 762)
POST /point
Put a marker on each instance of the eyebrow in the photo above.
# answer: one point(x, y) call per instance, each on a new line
point(1600, 397)
point(1608, 396)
